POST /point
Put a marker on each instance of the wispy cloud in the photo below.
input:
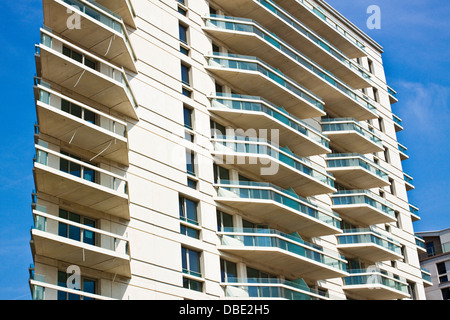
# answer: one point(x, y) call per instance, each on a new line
point(426, 106)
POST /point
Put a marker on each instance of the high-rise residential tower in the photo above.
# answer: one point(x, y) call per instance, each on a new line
point(217, 149)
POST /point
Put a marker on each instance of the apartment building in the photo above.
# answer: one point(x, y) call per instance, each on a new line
point(223, 149)
point(435, 260)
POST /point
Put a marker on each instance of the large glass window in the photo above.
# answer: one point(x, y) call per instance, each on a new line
point(188, 210)
point(228, 271)
point(185, 74)
point(191, 266)
point(73, 232)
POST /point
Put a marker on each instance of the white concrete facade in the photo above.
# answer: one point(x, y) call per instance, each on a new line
point(126, 189)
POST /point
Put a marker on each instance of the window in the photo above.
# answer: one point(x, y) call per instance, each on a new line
point(217, 130)
point(381, 124)
point(76, 169)
point(221, 174)
point(190, 162)
point(185, 74)
point(412, 290)
point(441, 269)
point(79, 58)
point(183, 36)
point(188, 123)
point(371, 66)
point(190, 260)
point(224, 220)
point(188, 215)
point(376, 97)
point(188, 210)
point(392, 186)
point(398, 222)
point(430, 248)
point(87, 285)
point(386, 155)
point(73, 232)
point(182, 7)
point(228, 271)
point(186, 80)
point(78, 111)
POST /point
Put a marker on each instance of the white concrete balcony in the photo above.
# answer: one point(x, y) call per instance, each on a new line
point(363, 206)
point(375, 284)
point(273, 289)
point(273, 164)
point(249, 112)
point(254, 77)
point(249, 38)
point(98, 30)
point(403, 152)
point(356, 171)
point(370, 244)
point(279, 21)
point(273, 205)
point(397, 123)
point(350, 135)
point(79, 182)
point(82, 245)
point(280, 251)
point(323, 24)
point(392, 95)
point(80, 125)
point(43, 289)
point(75, 69)
point(408, 182)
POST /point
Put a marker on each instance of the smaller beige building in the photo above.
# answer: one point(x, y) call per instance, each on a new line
point(436, 260)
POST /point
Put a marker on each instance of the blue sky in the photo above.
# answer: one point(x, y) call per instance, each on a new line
point(411, 31)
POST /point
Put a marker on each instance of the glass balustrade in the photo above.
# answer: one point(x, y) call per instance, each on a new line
point(378, 277)
point(369, 235)
point(362, 197)
point(266, 191)
point(343, 160)
point(349, 124)
point(271, 288)
point(268, 238)
point(258, 104)
point(229, 23)
point(258, 146)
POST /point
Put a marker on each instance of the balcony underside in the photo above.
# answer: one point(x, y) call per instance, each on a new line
point(92, 34)
point(288, 263)
point(319, 26)
point(67, 187)
point(75, 252)
point(68, 128)
point(373, 292)
point(74, 76)
point(352, 141)
point(121, 7)
point(270, 212)
point(368, 251)
point(363, 213)
point(297, 142)
point(274, 172)
point(256, 84)
point(357, 178)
